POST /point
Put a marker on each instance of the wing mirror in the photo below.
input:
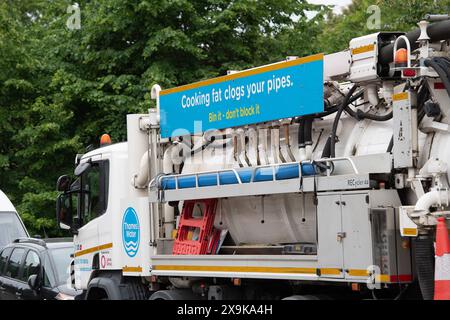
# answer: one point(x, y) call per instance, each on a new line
point(64, 212)
point(63, 183)
point(33, 282)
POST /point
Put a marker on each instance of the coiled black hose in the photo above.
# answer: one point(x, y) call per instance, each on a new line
point(443, 72)
point(367, 115)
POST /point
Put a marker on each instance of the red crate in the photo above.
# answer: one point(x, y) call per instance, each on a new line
point(183, 246)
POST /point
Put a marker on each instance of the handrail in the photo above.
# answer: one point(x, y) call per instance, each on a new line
point(274, 167)
point(408, 49)
point(176, 176)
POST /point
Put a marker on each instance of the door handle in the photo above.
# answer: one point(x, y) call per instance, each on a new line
point(341, 236)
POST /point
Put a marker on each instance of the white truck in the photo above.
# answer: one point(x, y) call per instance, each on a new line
point(314, 176)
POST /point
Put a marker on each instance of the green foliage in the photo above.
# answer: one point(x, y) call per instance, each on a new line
point(37, 141)
point(396, 15)
point(60, 89)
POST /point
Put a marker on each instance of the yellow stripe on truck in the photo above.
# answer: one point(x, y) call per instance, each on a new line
point(383, 278)
point(363, 273)
point(363, 49)
point(234, 269)
point(330, 271)
point(132, 269)
point(93, 249)
point(357, 273)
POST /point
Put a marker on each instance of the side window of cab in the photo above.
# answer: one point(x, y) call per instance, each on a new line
point(94, 190)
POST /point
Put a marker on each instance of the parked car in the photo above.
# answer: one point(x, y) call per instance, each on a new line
point(34, 269)
point(11, 226)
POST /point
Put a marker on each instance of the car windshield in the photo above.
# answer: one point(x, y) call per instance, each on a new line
point(10, 228)
point(61, 260)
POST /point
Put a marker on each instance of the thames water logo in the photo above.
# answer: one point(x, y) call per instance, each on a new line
point(130, 232)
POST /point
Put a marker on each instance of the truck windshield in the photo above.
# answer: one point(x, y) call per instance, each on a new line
point(10, 228)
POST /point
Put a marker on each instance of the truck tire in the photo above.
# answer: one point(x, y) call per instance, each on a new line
point(113, 286)
point(178, 294)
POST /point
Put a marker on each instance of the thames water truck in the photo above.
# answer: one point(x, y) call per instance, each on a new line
point(319, 176)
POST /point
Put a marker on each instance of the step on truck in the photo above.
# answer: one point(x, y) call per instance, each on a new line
point(314, 177)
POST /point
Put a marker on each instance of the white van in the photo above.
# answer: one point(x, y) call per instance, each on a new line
point(11, 226)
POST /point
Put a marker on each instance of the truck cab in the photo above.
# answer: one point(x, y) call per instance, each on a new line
point(88, 206)
point(11, 226)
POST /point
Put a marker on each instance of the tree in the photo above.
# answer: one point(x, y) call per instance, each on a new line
point(63, 87)
point(36, 140)
point(357, 20)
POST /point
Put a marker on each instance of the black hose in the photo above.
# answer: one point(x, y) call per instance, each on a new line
point(208, 142)
point(301, 133)
point(367, 115)
point(326, 149)
point(436, 31)
point(424, 258)
point(443, 62)
point(203, 146)
point(443, 74)
point(308, 131)
point(335, 108)
point(352, 113)
point(336, 120)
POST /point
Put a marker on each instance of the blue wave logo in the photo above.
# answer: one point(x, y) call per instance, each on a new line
point(130, 232)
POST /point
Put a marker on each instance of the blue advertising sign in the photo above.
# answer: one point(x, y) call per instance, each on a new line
point(277, 91)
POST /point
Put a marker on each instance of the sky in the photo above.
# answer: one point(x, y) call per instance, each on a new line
point(339, 4)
